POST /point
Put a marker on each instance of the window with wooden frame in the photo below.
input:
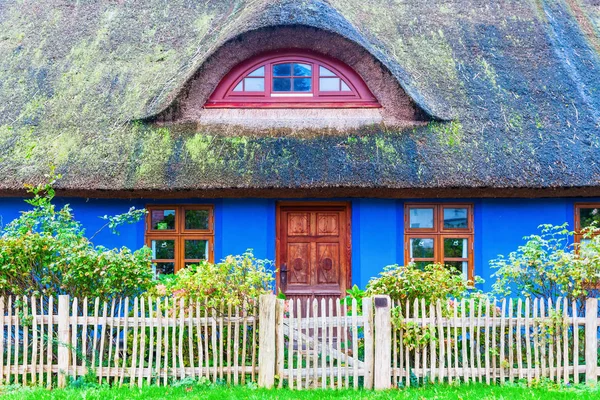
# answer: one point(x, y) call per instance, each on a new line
point(179, 236)
point(586, 216)
point(295, 79)
point(440, 233)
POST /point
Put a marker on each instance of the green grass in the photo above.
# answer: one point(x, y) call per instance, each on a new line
point(464, 392)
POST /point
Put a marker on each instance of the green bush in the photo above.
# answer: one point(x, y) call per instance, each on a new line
point(407, 283)
point(44, 252)
point(231, 281)
point(551, 265)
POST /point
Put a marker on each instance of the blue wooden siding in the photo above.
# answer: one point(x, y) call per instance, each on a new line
point(377, 226)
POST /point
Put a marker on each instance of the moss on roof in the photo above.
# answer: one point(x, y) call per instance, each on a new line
point(513, 84)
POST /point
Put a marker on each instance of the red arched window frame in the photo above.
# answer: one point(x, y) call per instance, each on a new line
point(355, 93)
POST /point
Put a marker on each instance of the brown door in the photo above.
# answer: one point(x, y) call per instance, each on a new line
point(313, 249)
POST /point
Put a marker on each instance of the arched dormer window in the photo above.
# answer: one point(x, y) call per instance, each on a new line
point(292, 80)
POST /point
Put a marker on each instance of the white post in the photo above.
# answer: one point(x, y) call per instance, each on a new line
point(367, 306)
point(383, 343)
point(267, 344)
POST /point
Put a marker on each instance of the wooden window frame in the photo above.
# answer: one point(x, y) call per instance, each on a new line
point(180, 234)
point(438, 233)
point(359, 95)
point(578, 228)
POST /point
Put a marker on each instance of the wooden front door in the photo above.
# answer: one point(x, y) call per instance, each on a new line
point(313, 249)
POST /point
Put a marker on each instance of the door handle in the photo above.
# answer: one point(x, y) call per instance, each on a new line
point(283, 277)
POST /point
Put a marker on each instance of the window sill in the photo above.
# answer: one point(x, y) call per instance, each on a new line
point(307, 104)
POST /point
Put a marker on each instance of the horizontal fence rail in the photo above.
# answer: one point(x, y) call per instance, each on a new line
point(300, 344)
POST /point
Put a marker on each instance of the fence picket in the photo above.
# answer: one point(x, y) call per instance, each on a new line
point(199, 340)
point(519, 339)
point(557, 340)
point(565, 322)
point(527, 338)
point(502, 359)
point(95, 331)
point(34, 344)
point(575, 344)
point(300, 343)
point(551, 342)
point(9, 341)
point(142, 359)
point(330, 330)
point(40, 362)
point(132, 370)
point(432, 352)
point(324, 352)
point(17, 344)
point(543, 339)
point(488, 375)
point(511, 333)
point(478, 326)
point(425, 371)
point(442, 341)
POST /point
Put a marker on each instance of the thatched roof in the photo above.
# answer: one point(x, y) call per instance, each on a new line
point(512, 88)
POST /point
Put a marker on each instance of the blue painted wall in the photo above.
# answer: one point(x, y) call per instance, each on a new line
point(377, 226)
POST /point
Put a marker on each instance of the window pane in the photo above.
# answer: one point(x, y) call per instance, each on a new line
point(422, 264)
point(254, 84)
point(258, 72)
point(167, 268)
point(460, 266)
point(302, 84)
point(163, 249)
point(456, 248)
point(587, 216)
point(196, 249)
point(282, 70)
point(421, 248)
point(329, 84)
point(282, 84)
point(455, 218)
point(163, 220)
point(302, 70)
point(239, 87)
point(421, 217)
point(325, 72)
point(196, 219)
point(345, 88)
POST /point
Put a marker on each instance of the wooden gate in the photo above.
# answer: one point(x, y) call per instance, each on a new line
point(324, 343)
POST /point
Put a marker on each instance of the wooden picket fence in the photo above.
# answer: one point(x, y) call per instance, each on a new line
point(488, 341)
point(127, 341)
point(297, 344)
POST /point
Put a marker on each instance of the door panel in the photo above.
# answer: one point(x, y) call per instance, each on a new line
point(328, 263)
point(313, 249)
point(298, 263)
point(298, 224)
point(328, 224)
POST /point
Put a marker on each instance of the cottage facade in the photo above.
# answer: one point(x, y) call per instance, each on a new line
point(334, 137)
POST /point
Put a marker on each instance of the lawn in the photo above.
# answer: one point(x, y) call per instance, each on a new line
point(465, 392)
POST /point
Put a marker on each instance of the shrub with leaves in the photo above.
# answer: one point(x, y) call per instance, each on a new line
point(45, 252)
point(550, 265)
point(433, 283)
point(407, 283)
point(232, 281)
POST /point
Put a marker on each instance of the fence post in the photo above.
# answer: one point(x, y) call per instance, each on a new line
point(383, 343)
point(367, 306)
point(266, 341)
point(64, 340)
point(591, 342)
